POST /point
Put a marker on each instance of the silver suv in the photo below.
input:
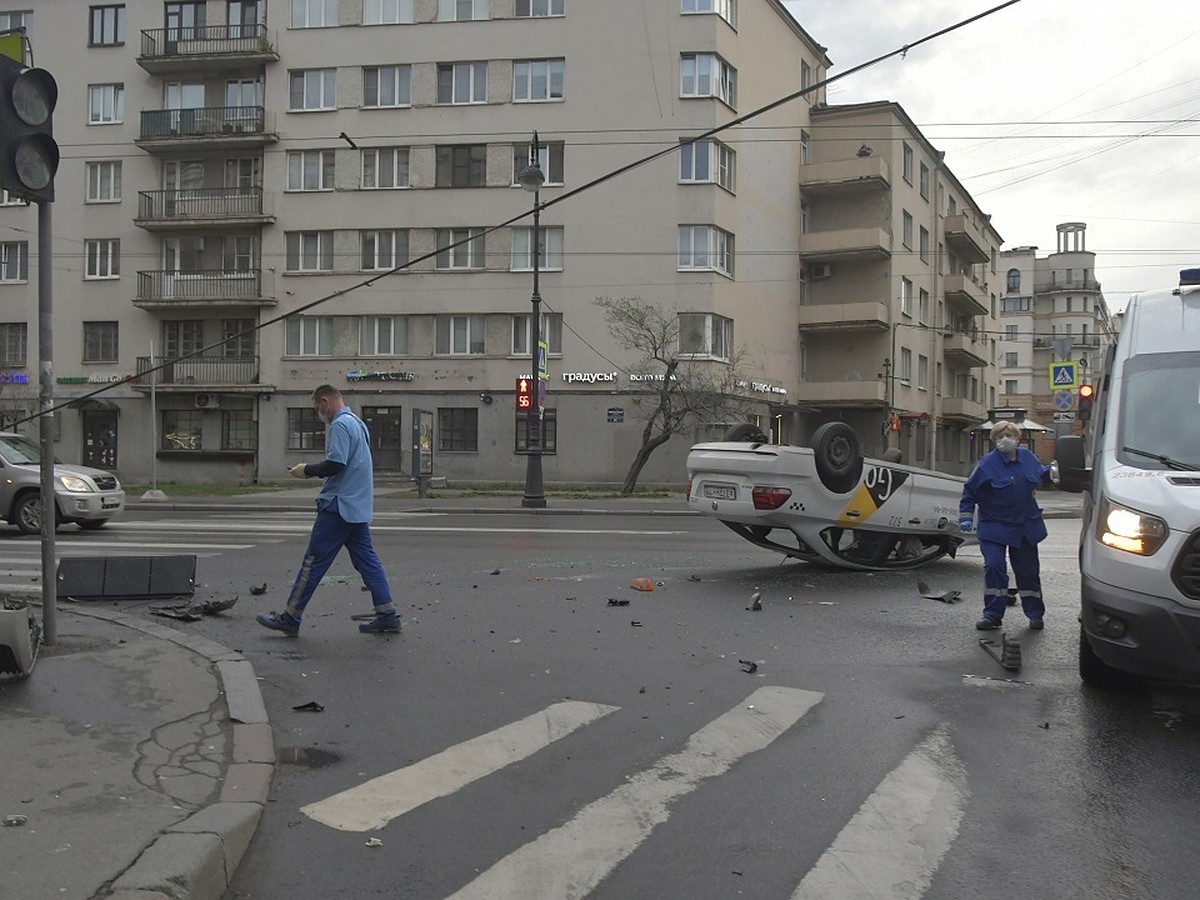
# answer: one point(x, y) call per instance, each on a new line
point(88, 497)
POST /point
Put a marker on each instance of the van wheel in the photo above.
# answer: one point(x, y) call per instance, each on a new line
point(838, 456)
point(747, 431)
point(1095, 672)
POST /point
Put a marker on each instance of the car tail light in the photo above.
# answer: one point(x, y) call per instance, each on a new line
point(769, 497)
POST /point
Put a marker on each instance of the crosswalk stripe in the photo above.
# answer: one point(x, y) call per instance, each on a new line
point(571, 860)
point(894, 844)
point(376, 802)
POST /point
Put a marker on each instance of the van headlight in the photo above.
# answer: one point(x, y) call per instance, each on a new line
point(1127, 529)
point(75, 484)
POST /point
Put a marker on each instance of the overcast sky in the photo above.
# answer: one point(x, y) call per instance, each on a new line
point(1049, 111)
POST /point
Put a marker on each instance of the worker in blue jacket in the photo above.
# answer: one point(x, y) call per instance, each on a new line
point(1002, 487)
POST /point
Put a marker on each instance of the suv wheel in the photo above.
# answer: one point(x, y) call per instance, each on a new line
point(27, 513)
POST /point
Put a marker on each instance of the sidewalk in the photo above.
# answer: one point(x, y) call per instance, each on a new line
point(136, 760)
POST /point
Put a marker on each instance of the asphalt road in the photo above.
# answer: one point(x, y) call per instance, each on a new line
point(523, 738)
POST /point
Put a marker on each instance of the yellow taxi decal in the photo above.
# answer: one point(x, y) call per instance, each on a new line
point(877, 486)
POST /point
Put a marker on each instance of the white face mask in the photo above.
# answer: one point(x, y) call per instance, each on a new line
point(1007, 445)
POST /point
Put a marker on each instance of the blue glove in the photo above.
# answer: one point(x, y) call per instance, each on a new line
point(965, 523)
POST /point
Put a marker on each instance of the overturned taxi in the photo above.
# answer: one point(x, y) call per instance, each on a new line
point(827, 502)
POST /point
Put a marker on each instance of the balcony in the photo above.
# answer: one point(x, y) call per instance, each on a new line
point(201, 207)
point(841, 394)
point(1066, 287)
point(965, 240)
point(846, 243)
point(964, 349)
point(866, 316)
point(204, 128)
point(962, 411)
point(865, 173)
point(224, 372)
point(966, 295)
point(192, 49)
point(200, 287)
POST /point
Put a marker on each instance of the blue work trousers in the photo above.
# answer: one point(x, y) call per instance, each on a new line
point(1025, 565)
point(330, 534)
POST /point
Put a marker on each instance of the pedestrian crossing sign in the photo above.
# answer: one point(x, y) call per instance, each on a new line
point(1063, 375)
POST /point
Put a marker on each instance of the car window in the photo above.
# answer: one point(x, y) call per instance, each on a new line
point(19, 451)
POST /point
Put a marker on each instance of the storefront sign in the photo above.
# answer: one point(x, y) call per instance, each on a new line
point(588, 377)
point(94, 378)
point(364, 375)
point(762, 387)
point(14, 378)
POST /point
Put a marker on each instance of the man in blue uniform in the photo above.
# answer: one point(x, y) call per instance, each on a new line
point(1002, 487)
point(344, 512)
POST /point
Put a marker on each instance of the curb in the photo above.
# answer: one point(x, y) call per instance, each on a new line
point(195, 858)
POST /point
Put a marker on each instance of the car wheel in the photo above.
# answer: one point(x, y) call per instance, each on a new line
point(92, 524)
point(27, 513)
point(747, 431)
point(838, 456)
point(1095, 672)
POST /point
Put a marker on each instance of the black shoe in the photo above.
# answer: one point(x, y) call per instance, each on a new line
point(382, 625)
point(1036, 624)
point(284, 622)
point(986, 624)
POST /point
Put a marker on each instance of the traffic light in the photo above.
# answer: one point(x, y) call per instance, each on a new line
point(1087, 395)
point(28, 153)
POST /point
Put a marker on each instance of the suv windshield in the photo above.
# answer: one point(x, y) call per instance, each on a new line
point(20, 451)
point(1160, 412)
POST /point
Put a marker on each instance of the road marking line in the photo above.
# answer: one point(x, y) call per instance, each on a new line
point(377, 528)
point(376, 802)
point(894, 844)
point(571, 860)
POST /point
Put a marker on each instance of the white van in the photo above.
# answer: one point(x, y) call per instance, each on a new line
point(1139, 548)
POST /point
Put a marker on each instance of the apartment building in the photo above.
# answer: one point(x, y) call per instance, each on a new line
point(308, 192)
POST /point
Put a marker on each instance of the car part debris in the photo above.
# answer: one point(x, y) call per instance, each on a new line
point(642, 584)
point(258, 589)
point(15, 821)
point(635, 623)
point(310, 706)
point(944, 597)
point(374, 842)
point(1009, 656)
point(748, 666)
point(20, 636)
point(613, 601)
point(189, 611)
point(755, 602)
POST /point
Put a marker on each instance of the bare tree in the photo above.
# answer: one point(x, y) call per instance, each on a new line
point(679, 388)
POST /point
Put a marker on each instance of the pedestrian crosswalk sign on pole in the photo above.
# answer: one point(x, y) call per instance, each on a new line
point(1063, 375)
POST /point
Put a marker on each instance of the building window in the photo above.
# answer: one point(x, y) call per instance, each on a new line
point(1014, 281)
point(924, 183)
point(923, 306)
point(522, 340)
point(309, 251)
point(458, 335)
point(106, 104)
point(386, 167)
point(305, 430)
point(462, 82)
point(1010, 359)
point(1014, 304)
point(385, 86)
point(538, 9)
point(14, 262)
point(310, 170)
point(923, 244)
point(1010, 385)
point(314, 13)
point(1010, 332)
point(100, 342)
point(805, 75)
point(906, 229)
point(462, 10)
point(461, 165)
point(467, 252)
point(309, 336)
point(14, 338)
point(383, 250)
point(707, 75)
point(237, 430)
point(906, 295)
point(312, 89)
point(387, 12)
point(550, 252)
point(104, 182)
point(182, 337)
point(458, 428)
point(708, 161)
point(922, 372)
point(536, 80)
point(237, 336)
point(383, 336)
point(102, 258)
point(181, 429)
point(550, 161)
point(905, 373)
point(549, 430)
point(726, 9)
point(107, 26)
point(705, 334)
point(706, 247)
point(908, 162)
point(805, 146)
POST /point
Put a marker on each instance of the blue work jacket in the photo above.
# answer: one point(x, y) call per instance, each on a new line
point(1003, 489)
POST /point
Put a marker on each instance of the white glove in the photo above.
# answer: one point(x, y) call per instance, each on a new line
point(298, 470)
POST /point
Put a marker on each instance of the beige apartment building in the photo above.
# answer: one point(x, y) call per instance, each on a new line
point(245, 179)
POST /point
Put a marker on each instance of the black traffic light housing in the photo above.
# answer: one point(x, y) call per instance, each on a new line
point(28, 153)
point(1087, 396)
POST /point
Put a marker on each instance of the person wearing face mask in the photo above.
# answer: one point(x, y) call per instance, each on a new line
point(1010, 521)
point(344, 512)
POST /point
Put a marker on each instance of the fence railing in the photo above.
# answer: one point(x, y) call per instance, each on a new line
point(206, 121)
point(192, 203)
point(205, 40)
point(200, 284)
point(199, 370)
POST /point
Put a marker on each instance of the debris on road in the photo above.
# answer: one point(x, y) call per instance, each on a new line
point(190, 611)
point(944, 597)
point(374, 842)
point(748, 666)
point(1009, 656)
point(755, 602)
point(613, 601)
point(15, 821)
point(642, 584)
point(258, 589)
point(310, 706)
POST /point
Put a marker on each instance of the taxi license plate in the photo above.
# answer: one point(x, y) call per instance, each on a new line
point(720, 491)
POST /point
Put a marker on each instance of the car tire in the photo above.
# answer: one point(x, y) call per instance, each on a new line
point(747, 432)
point(838, 456)
point(27, 513)
point(1095, 672)
point(92, 524)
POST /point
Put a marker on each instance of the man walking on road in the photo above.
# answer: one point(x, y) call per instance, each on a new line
point(344, 512)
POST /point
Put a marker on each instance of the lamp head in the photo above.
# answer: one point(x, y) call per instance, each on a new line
point(531, 178)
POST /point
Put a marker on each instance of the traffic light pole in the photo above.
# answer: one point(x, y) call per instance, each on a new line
point(46, 421)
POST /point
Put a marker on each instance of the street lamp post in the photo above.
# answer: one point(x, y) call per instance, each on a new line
point(532, 178)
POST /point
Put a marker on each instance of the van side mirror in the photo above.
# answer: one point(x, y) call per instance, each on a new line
point(1070, 470)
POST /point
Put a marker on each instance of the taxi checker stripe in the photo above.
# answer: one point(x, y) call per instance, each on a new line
point(571, 860)
point(376, 802)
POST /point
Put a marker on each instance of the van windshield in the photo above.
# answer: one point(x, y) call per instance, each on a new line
point(1160, 412)
point(20, 451)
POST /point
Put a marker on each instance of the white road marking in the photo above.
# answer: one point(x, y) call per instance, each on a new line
point(894, 844)
point(376, 802)
point(571, 860)
point(377, 528)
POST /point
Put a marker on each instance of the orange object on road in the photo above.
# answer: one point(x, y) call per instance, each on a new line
point(642, 584)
